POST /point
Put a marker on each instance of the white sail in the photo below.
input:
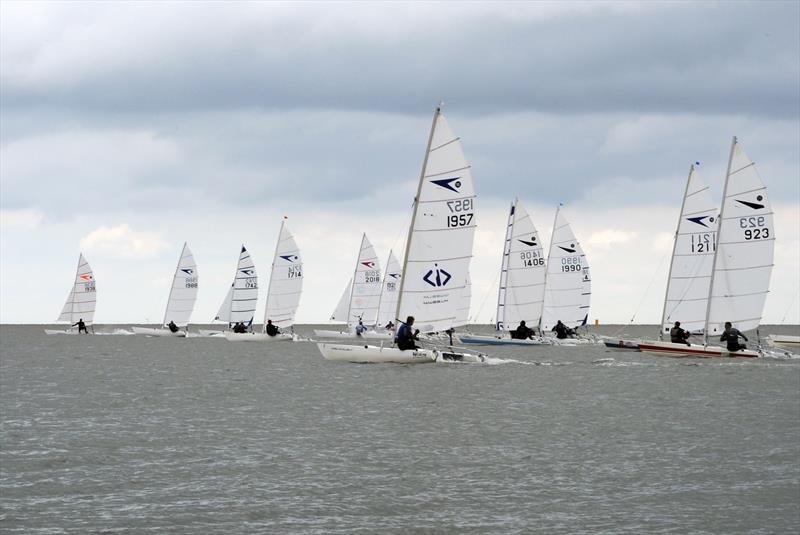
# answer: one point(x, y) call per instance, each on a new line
point(390, 292)
point(692, 259)
point(340, 313)
point(183, 292)
point(522, 278)
point(440, 238)
point(462, 312)
point(285, 282)
point(240, 303)
point(82, 297)
point(366, 290)
point(745, 249)
point(568, 284)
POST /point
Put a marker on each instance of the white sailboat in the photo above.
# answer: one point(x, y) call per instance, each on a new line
point(568, 283)
point(239, 304)
point(81, 300)
point(522, 278)
point(182, 297)
point(363, 297)
point(283, 292)
point(438, 253)
point(733, 283)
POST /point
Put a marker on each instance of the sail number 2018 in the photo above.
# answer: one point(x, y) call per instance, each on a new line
point(754, 228)
point(460, 211)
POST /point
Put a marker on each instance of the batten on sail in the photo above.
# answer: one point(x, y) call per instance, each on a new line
point(745, 248)
point(82, 298)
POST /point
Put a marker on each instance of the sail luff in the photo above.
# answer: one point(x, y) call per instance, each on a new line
point(183, 290)
point(286, 281)
point(272, 273)
point(549, 255)
point(502, 288)
point(436, 113)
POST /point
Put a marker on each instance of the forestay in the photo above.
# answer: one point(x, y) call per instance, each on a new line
point(692, 259)
point(745, 248)
point(285, 281)
point(183, 293)
point(440, 238)
point(366, 291)
point(240, 303)
point(522, 275)
point(82, 298)
point(568, 283)
point(391, 290)
point(462, 312)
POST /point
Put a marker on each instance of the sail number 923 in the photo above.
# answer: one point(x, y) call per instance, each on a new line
point(754, 228)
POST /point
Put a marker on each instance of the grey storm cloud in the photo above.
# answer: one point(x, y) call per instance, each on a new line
point(704, 57)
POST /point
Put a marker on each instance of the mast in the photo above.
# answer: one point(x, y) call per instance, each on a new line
point(502, 289)
point(72, 294)
point(416, 206)
point(269, 285)
point(716, 241)
point(172, 284)
point(549, 252)
point(674, 245)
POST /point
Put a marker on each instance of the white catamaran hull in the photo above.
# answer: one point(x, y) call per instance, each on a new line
point(208, 333)
point(58, 331)
point(785, 340)
point(339, 335)
point(257, 337)
point(149, 331)
point(694, 350)
point(367, 353)
point(501, 340)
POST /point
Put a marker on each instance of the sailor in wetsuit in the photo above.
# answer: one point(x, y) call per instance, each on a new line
point(677, 335)
point(271, 329)
point(406, 338)
point(360, 328)
point(522, 332)
point(172, 327)
point(731, 335)
point(561, 330)
point(81, 326)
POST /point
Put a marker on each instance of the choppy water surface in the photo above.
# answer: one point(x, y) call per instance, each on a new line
point(128, 434)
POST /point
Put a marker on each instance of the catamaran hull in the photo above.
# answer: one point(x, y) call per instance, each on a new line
point(164, 333)
point(207, 333)
point(338, 335)
point(785, 340)
point(257, 337)
point(376, 354)
point(682, 350)
point(625, 345)
point(501, 341)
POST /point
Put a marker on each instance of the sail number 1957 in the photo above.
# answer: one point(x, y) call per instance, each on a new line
point(460, 211)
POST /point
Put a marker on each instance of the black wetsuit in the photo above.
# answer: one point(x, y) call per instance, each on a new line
point(677, 335)
point(81, 327)
point(561, 330)
point(522, 333)
point(172, 327)
point(405, 338)
point(732, 337)
point(272, 330)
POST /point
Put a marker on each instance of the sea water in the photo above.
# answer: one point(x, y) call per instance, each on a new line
point(129, 434)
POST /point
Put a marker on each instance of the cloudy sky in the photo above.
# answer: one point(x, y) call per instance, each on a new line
point(128, 128)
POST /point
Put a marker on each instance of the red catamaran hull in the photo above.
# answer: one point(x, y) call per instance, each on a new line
point(682, 350)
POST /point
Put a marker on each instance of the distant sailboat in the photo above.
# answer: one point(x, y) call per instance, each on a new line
point(283, 292)
point(568, 285)
point(742, 252)
point(387, 305)
point(438, 253)
point(81, 300)
point(522, 279)
point(182, 297)
point(363, 297)
point(239, 304)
